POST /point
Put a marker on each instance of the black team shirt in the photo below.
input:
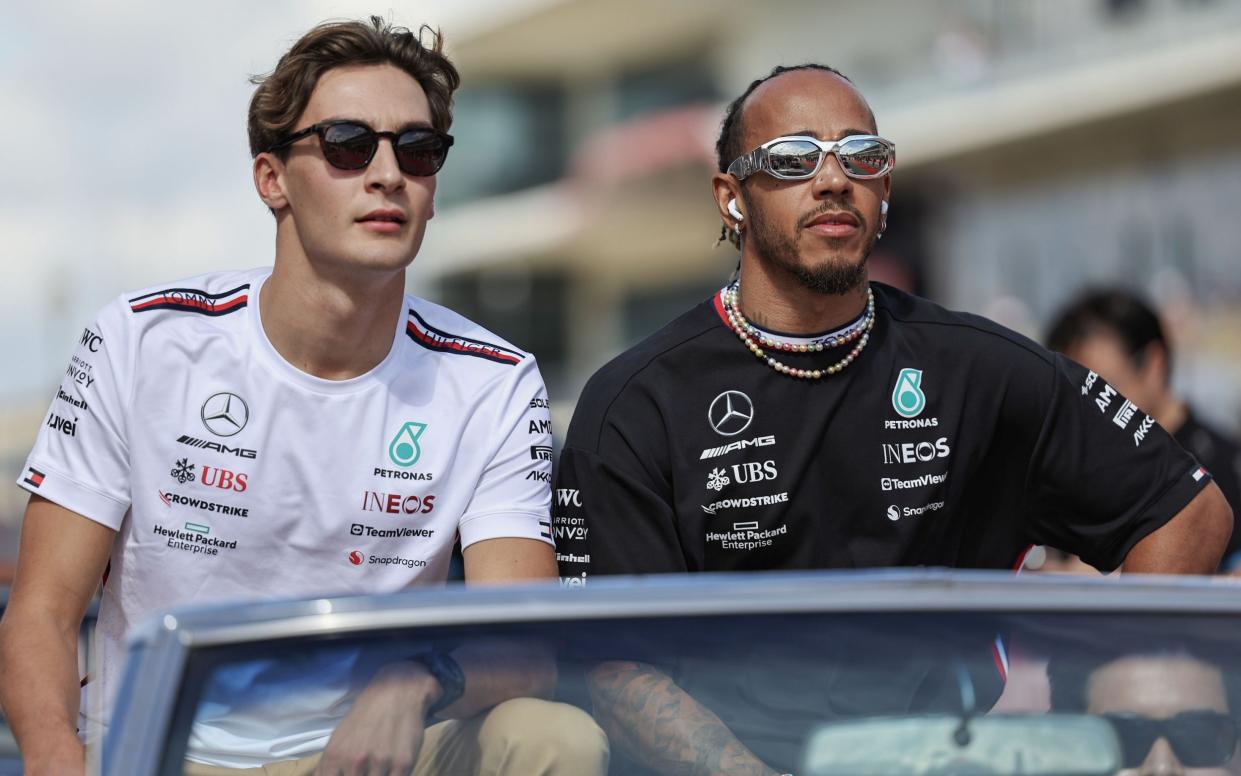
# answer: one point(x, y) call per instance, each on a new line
point(949, 441)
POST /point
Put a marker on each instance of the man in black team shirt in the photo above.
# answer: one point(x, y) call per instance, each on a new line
point(874, 428)
point(1116, 334)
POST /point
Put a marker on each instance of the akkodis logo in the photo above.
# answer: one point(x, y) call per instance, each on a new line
point(907, 397)
point(403, 450)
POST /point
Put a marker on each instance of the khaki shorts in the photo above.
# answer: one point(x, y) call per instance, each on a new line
point(520, 737)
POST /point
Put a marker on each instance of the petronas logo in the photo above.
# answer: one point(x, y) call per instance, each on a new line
point(907, 397)
point(404, 449)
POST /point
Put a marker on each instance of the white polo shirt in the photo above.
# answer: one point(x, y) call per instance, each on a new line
point(229, 474)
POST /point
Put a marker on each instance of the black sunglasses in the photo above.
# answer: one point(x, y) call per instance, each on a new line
point(350, 145)
point(1200, 739)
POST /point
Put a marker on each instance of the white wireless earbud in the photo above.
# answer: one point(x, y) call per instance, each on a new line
point(883, 207)
point(733, 211)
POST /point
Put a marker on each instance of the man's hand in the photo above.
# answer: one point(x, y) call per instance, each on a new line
point(382, 734)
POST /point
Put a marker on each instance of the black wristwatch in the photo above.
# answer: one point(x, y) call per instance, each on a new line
point(447, 672)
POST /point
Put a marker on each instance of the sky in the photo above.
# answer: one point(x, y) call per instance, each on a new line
point(123, 153)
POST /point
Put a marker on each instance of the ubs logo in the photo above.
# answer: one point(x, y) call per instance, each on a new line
point(225, 414)
point(730, 413)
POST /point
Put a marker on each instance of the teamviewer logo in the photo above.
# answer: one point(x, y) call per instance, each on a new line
point(356, 529)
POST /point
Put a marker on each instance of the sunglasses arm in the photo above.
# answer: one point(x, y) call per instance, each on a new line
point(746, 165)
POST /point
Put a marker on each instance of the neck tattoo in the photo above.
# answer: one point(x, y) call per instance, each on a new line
point(752, 337)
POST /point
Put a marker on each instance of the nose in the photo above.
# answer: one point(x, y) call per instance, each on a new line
point(383, 173)
point(1161, 761)
point(831, 179)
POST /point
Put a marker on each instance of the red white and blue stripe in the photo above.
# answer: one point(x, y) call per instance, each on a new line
point(439, 340)
point(193, 300)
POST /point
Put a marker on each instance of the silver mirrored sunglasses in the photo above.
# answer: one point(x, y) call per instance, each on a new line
point(797, 157)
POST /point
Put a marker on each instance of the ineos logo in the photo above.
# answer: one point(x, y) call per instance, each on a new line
point(730, 413)
point(224, 414)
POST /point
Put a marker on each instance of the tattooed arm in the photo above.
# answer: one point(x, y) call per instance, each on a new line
point(656, 723)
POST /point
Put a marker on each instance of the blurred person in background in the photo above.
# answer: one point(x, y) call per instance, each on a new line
point(1115, 334)
point(1173, 711)
point(214, 439)
point(804, 417)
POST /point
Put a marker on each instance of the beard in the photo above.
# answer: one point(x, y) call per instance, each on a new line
point(838, 274)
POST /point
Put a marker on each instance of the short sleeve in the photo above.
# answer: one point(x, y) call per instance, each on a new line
point(513, 496)
point(608, 521)
point(1103, 474)
point(80, 458)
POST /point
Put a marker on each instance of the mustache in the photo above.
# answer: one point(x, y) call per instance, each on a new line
point(832, 206)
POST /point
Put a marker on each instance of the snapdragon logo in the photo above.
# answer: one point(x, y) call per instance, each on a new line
point(907, 397)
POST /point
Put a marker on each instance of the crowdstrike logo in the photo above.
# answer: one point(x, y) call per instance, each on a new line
point(746, 503)
point(224, 414)
point(730, 413)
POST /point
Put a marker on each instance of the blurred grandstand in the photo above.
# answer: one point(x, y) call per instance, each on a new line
point(1041, 146)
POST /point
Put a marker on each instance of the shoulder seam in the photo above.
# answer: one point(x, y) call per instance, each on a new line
point(1042, 356)
point(442, 341)
point(608, 409)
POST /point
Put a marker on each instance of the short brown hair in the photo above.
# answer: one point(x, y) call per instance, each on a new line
point(282, 95)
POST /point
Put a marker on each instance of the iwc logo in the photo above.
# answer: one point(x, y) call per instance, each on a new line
point(730, 413)
point(225, 414)
point(404, 450)
point(907, 397)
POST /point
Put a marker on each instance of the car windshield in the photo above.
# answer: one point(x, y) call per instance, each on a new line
point(895, 692)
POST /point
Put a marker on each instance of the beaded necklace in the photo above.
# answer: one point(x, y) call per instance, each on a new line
point(749, 333)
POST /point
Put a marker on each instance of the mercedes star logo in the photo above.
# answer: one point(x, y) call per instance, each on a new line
point(730, 413)
point(224, 414)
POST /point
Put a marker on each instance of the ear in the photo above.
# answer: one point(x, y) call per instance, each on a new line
point(725, 187)
point(269, 181)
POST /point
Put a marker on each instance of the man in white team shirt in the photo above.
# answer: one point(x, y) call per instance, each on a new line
point(304, 429)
